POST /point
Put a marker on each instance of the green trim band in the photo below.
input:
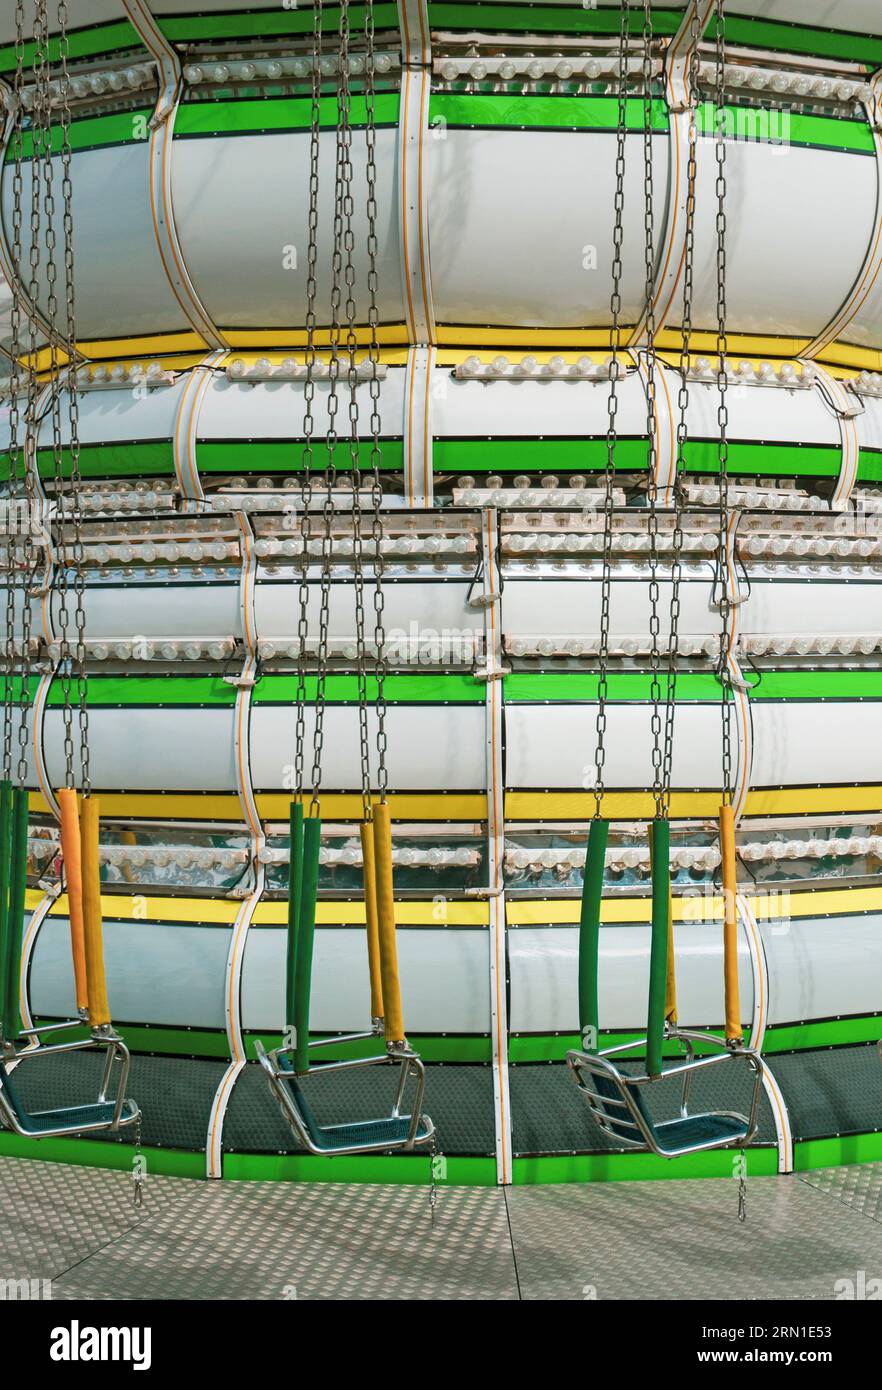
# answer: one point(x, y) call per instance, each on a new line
point(263, 23)
point(176, 691)
point(155, 458)
point(570, 686)
point(631, 1167)
point(788, 1037)
point(455, 110)
point(242, 116)
point(92, 42)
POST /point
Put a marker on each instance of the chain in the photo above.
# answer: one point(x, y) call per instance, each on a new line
point(683, 405)
point(137, 1175)
point(14, 409)
point(332, 441)
point(77, 555)
point(615, 306)
point(306, 488)
point(345, 130)
point(370, 135)
point(722, 384)
point(652, 487)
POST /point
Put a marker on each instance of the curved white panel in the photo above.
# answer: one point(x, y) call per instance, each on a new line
point(443, 980)
point(544, 976)
point(157, 972)
point(823, 967)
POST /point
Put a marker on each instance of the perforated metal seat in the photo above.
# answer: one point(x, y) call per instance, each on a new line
point(74, 1119)
point(388, 1131)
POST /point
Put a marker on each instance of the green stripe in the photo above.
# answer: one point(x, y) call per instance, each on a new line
point(170, 691)
point(589, 455)
point(455, 109)
point(432, 1048)
point(541, 687)
point(155, 458)
point(836, 1151)
point(788, 1037)
point(261, 24)
point(286, 456)
point(99, 1153)
point(564, 686)
point(95, 132)
point(404, 1170)
point(631, 1167)
point(199, 118)
point(459, 109)
point(82, 43)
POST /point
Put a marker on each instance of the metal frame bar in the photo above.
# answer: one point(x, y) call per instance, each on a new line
point(410, 1064)
point(599, 1065)
point(115, 1050)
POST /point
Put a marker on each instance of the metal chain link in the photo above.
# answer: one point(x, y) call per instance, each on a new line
point(655, 691)
point(306, 487)
point(351, 352)
point(11, 550)
point(370, 135)
point(615, 305)
point(332, 442)
point(74, 489)
point(683, 405)
point(722, 384)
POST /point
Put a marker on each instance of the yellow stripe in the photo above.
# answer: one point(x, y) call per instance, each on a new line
point(772, 906)
point(275, 806)
point(792, 801)
point(123, 907)
point(457, 343)
point(766, 907)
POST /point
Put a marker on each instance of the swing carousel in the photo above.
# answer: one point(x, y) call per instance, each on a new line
point(441, 451)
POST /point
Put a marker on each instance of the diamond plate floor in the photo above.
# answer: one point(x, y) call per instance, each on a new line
point(272, 1241)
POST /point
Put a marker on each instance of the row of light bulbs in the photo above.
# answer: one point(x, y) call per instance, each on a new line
point(757, 498)
point(554, 67)
point(97, 376)
point(271, 69)
point(107, 82)
point(350, 857)
point(529, 368)
point(151, 553)
point(155, 648)
point(866, 384)
point(158, 856)
point(391, 545)
point(812, 547)
point(801, 84)
point(291, 370)
point(696, 858)
point(627, 542)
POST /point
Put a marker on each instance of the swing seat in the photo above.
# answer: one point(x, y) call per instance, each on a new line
point(616, 1100)
point(102, 1114)
point(396, 1131)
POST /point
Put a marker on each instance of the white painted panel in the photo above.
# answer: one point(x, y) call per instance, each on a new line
point(434, 608)
point(275, 410)
point(509, 225)
point(793, 205)
point(558, 607)
point(157, 972)
point(544, 976)
point(112, 234)
point(237, 257)
point(429, 746)
point(444, 978)
point(108, 416)
point(524, 409)
point(152, 749)
point(823, 967)
point(799, 742)
point(550, 746)
point(169, 610)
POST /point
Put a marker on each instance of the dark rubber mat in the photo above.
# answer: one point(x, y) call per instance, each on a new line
point(836, 1091)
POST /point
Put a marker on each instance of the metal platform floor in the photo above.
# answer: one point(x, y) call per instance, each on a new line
point(272, 1241)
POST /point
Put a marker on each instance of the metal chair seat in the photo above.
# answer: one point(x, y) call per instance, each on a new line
point(73, 1119)
point(616, 1100)
point(398, 1130)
